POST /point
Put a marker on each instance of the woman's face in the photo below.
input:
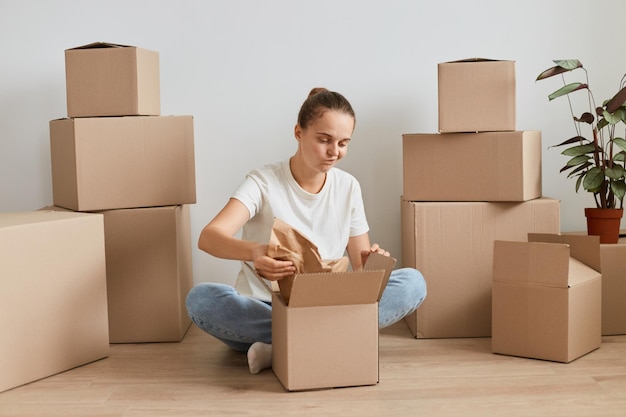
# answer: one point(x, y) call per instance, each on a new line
point(325, 140)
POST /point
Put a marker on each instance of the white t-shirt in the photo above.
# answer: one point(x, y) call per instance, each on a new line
point(328, 218)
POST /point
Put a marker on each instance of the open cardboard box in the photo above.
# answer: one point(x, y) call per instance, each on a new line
point(327, 336)
point(547, 297)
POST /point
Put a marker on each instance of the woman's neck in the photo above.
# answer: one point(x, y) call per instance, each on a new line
point(307, 179)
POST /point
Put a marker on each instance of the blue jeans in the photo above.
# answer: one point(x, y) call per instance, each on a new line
point(239, 321)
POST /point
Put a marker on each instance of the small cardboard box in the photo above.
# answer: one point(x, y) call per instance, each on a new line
point(104, 79)
point(451, 244)
point(103, 163)
point(489, 166)
point(476, 95)
point(53, 300)
point(327, 336)
point(149, 273)
point(547, 296)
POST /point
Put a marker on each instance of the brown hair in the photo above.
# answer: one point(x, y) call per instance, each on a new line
point(319, 100)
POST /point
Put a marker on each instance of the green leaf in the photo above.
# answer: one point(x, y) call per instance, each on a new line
point(612, 118)
point(621, 113)
point(579, 150)
point(593, 180)
point(562, 65)
point(578, 182)
point(621, 143)
point(577, 160)
point(621, 156)
point(569, 88)
point(568, 64)
point(614, 173)
point(619, 189)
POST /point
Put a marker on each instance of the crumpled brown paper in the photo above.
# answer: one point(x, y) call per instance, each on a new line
point(288, 244)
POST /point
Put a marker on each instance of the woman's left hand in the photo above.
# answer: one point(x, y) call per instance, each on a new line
point(375, 248)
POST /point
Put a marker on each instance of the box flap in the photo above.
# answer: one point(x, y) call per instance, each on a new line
point(476, 59)
point(534, 263)
point(585, 248)
point(376, 261)
point(94, 45)
point(580, 273)
point(336, 288)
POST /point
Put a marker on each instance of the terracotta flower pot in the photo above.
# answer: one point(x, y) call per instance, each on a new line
point(604, 223)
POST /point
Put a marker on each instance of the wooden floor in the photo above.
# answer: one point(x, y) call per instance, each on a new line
point(425, 377)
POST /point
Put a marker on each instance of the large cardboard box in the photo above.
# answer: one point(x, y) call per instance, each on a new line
point(451, 243)
point(104, 79)
point(327, 336)
point(149, 273)
point(53, 301)
point(476, 95)
point(489, 166)
point(103, 163)
point(547, 296)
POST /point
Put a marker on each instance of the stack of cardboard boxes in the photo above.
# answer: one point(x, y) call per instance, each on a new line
point(116, 155)
point(477, 181)
point(472, 200)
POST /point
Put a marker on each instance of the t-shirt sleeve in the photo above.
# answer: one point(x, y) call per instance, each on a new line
point(358, 219)
point(250, 194)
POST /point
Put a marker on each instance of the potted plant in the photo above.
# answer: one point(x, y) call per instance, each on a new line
point(597, 151)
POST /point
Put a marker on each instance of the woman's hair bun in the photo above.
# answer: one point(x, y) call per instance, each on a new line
point(317, 90)
point(319, 100)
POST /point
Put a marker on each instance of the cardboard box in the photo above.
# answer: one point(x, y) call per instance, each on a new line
point(451, 243)
point(53, 305)
point(476, 95)
point(104, 79)
point(490, 166)
point(104, 163)
point(327, 336)
point(547, 297)
point(149, 273)
point(613, 258)
point(613, 262)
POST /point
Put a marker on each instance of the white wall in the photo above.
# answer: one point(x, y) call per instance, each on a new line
point(242, 69)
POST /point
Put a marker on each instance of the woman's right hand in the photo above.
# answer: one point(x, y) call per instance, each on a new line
point(270, 268)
